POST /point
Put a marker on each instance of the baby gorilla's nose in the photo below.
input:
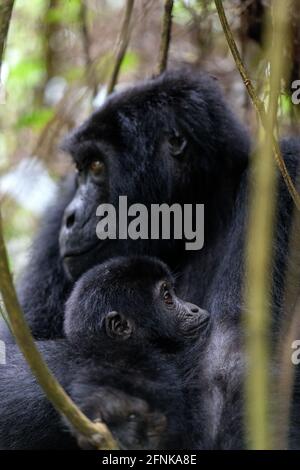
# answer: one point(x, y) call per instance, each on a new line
point(194, 308)
point(196, 318)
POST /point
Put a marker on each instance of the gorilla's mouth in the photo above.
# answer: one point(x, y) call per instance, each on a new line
point(74, 253)
point(77, 261)
point(197, 324)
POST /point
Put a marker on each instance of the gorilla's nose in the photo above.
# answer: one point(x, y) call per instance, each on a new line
point(197, 313)
point(193, 308)
point(68, 237)
point(70, 218)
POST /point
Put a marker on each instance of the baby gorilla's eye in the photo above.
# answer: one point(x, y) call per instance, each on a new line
point(96, 167)
point(167, 295)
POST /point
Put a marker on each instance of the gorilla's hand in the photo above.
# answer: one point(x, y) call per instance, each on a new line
point(129, 419)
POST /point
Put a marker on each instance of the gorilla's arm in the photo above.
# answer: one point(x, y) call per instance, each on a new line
point(27, 419)
point(43, 287)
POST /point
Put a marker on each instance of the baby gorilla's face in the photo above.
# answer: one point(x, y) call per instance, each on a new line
point(131, 300)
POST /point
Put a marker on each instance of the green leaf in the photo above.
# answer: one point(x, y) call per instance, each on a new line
point(286, 104)
point(36, 119)
point(130, 61)
point(30, 71)
point(66, 12)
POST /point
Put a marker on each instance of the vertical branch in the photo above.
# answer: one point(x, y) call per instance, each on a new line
point(47, 31)
point(290, 328)
point(259, 252)
point(85, 34)
point(259, 105)
point(165, 36)
point(98, 433)
point(238, 59)
point(6, 7)
point(51, 28)
point(89, 70)
point(122, 46)
point(290, 333)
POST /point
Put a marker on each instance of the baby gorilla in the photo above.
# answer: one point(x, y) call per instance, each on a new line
point(130, 333)
point(130, 358)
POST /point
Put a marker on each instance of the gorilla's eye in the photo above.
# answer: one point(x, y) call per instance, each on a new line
point(177, 144)
point(96, 167)
point(167, 295)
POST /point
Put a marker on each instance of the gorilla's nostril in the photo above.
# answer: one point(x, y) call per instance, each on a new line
point(195, 309)
point(70, 220)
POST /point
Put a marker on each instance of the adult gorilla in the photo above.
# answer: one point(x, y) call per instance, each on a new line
point(170, 139)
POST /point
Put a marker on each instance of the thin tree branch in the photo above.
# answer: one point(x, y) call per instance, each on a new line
point(90, 75)
point(123, 44)
point(165, 36)
point(97, 433)
point(290, 334)
point(6, 8)
point(259, 105)
point(260, 235)
point(85, 34)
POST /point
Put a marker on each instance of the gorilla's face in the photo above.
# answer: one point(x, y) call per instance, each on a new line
point(79, 245)
point(124, 149)
point(161, 142)
point(131, 302)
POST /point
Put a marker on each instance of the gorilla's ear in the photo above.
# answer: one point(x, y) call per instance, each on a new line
point(118, 326)
point(177, 143)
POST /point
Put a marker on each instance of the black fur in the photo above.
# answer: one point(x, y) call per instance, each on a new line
point(145, 364)
point(132, 379)
point(132, 134)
